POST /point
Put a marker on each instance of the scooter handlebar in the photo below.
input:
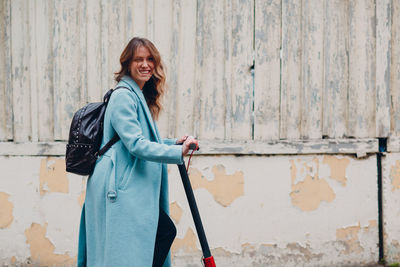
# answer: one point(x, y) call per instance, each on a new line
point(191, 146)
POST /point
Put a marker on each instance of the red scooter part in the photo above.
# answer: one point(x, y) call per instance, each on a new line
point(209, 262)
point(208, 259)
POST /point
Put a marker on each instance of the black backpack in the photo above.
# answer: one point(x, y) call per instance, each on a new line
point(85, 136)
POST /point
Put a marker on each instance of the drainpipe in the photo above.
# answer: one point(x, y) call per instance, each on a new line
point(379, 155)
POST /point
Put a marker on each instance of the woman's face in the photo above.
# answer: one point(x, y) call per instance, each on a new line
point(142, 66)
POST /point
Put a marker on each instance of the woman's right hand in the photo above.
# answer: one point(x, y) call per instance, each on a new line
point(185, 146)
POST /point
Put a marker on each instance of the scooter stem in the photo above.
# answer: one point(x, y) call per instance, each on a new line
point(208, 259)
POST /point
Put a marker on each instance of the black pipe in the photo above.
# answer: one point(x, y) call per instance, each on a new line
point(379, 155)
point(195, 212)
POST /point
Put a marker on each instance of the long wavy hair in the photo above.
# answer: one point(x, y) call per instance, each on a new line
point(154, 88)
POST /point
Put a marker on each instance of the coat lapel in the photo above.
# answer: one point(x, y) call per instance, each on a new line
point(135, 88)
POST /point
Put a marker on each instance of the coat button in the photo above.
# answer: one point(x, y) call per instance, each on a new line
point(112, 195)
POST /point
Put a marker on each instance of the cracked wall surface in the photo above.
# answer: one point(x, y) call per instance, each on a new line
point(256, 210)
point(391, 205)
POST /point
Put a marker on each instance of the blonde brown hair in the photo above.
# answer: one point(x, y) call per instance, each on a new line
point(153, 89)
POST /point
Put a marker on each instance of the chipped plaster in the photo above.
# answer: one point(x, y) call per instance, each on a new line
point(267, 185)
point(42, 249)
point(338, 168)
point(6, 211)
point(175, 211)
point(53, 176)
point(225, 188)
point(395, 175)
point(309, 191)
point(187, 243)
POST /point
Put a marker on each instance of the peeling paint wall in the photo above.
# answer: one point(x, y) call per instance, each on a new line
point(391, 206)
point(257, 210)
point(302, 84)
point(43, 202)
point(237, 70)
point(6, 211)
point(267, 225)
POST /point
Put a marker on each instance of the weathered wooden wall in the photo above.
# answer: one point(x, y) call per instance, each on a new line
point(322, 69)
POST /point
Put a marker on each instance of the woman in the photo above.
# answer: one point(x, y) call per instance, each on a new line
point(125, 218)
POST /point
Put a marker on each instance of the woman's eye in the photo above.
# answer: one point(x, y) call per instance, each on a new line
point(151, 59)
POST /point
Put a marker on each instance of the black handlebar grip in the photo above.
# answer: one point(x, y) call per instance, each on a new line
point(192, 146)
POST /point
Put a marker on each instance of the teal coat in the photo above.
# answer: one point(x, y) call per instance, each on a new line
point(128, 186)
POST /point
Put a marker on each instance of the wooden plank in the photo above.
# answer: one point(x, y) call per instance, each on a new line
point(228, 67)
point(20, 50)
point(395, 70)
point(116, 36)
point(129, 18)
point(180, 100)
point(336, 37)
point(66, 75)
point(242, 13)
point(267, 69)
point(360, 147)
point(393, 144)
point(139, 16)
point(150, 6)
point(83, 76)
point(165, 28)
point(44, 65)
point(291, 70)
point(107, 77)
point(362, 93)
point(312, 72)
point(3, 69)
point(34, 94)
point(210, 124)
point(6, 124)
point(383, 58)
point(93, 55)
point(186, 70)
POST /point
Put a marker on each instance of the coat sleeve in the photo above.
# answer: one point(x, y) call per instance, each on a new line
point(169, 141)
point(124, 119)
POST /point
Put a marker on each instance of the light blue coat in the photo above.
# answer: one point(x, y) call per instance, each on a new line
point(128, 186)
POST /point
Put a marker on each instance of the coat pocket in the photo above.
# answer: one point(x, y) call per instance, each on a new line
point(123, 178)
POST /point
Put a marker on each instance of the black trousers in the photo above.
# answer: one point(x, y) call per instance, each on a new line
point(166, 233)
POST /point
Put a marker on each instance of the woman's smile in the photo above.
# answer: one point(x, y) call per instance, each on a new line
point(142, 66)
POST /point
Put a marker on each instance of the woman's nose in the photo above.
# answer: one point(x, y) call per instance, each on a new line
point(145, 63)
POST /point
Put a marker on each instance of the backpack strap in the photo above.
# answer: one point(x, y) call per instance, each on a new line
point(108, 145)
point(116, 137)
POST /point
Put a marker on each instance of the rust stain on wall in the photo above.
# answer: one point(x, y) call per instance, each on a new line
point(53, 176)
point(187, 243)
point(225, 188)
point(349, 236)
point(13, 260)
point(338, 168)
point(395, 175)
point(371, 224)
point(6, 211)
point(42, 250)
point(81, 198)
point(305, 252)
point(395, 244)
point(307, 194)
point(175, 211)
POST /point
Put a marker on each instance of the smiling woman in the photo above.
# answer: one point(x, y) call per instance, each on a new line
point(141, 61)
point(125, 219)
point(142, 66)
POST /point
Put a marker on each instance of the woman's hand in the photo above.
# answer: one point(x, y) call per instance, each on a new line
point(187, 142)
point(181, 140)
